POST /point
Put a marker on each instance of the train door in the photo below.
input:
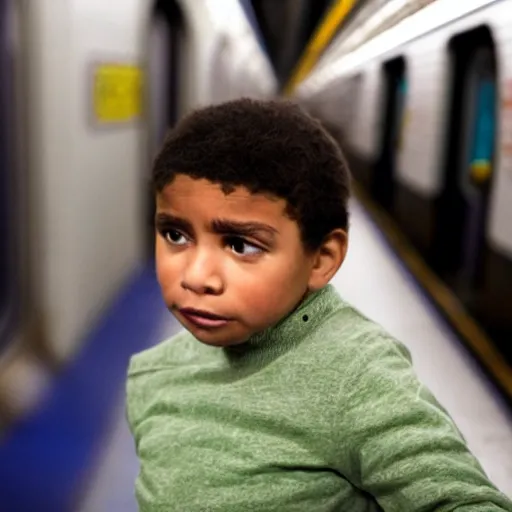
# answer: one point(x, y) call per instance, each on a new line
point(159, 81)
point(477, 161)
point(470, 161)
point(395, 90)
point(351, 110)
point(164, 66)
point(9, 201)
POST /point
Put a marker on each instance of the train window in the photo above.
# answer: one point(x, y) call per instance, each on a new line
point(353, 97)
point(166, 36)
point(165, 49)
point(392, 120)
point(469, 162)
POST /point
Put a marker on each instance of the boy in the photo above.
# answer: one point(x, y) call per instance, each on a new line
point(278, 396)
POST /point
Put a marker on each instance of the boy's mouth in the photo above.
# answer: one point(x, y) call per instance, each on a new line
point(203, 318)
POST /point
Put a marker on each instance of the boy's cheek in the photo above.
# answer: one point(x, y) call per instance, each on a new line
point(166, 269)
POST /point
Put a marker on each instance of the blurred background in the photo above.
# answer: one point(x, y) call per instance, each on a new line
point(417, 92)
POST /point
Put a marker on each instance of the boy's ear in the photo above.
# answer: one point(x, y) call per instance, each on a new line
point(328, 259)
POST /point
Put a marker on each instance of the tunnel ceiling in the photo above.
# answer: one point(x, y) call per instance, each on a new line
point(286, 27)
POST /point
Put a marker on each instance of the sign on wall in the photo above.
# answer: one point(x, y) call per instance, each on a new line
point(117, 93)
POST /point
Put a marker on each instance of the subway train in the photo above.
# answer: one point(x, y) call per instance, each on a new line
point(88, 89)
point(419, 94)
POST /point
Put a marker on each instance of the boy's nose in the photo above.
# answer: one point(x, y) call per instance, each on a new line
point(201, 276)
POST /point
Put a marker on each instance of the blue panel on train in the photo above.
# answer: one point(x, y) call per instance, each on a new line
point(483, 140)
point(402, 96)
point(253, 21)
point(403, 87)
point(401, 115)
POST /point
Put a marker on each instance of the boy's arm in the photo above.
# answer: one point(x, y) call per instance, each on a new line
point(405, 449)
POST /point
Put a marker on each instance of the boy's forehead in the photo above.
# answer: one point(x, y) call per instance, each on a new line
point(186, 193)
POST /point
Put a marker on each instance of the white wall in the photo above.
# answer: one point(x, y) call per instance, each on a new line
point(85, 180)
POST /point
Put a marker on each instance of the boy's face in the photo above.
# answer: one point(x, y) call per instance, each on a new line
point(228, 265)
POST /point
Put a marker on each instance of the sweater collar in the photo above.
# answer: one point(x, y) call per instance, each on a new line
point(292, 329)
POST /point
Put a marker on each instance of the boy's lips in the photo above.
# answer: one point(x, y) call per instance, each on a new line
point(203, 318)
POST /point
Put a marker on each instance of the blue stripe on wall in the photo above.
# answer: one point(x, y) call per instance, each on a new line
point(45, 459)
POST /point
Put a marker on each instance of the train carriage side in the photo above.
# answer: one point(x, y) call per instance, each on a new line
point(429, 138)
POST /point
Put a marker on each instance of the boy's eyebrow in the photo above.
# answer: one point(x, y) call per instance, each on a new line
point(221, 226)
point(226, 226)
point(167, 218)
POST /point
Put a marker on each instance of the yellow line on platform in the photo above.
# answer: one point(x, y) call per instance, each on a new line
point(464, 324)
point(322, 37)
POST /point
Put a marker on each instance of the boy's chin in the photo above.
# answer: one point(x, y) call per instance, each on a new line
point(217, 341)
point(217, 337)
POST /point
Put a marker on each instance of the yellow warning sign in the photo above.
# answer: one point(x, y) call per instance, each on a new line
point(117, 93)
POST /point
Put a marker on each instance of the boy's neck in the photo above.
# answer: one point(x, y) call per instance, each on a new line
point(289, 331)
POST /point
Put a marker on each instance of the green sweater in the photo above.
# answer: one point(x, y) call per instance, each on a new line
point(322, 412)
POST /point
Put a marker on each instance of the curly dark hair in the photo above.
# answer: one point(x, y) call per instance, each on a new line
point(270, 147)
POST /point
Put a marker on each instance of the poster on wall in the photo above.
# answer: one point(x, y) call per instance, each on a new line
point(117, 93)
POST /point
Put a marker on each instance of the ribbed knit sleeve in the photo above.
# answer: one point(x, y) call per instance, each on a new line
point(407, 452)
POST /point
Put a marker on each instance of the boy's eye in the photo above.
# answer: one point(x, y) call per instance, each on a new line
point(175, 237)
point(241, 246)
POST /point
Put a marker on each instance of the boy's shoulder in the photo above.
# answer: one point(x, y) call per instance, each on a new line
point(351, 346)
point(172, 351)
point(350, 333)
